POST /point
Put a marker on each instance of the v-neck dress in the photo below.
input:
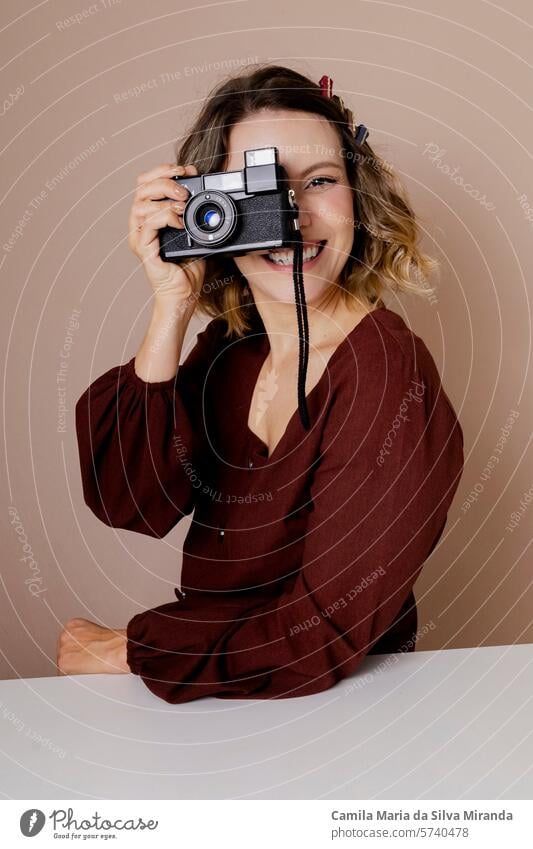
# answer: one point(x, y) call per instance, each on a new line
point(295, 565)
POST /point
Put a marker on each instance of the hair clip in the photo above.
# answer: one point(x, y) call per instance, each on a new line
point(326, 84)
point(359, 131)
point(361, 134)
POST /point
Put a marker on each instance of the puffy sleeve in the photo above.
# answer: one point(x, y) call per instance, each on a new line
point(132, 438)
point(389, 466)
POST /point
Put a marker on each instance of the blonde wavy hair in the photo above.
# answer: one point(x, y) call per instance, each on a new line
point(385, 256)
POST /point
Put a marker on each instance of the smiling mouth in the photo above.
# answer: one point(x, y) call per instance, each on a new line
point(285, 256)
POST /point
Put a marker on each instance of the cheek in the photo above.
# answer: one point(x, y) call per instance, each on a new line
point(245, 263)
point(336, 210)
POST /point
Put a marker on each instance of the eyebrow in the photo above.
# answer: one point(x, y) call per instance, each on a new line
point(325, 162)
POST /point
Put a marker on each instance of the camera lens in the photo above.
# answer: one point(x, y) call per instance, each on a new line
point(209, 217)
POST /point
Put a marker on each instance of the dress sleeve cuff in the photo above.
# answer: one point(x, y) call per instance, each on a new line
point(144, 385)
point(131, 645)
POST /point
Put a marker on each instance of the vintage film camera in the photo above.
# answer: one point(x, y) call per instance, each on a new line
point(235, 212)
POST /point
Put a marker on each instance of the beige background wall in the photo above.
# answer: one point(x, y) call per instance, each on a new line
point(453, 79)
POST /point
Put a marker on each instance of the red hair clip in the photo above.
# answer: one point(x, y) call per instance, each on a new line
point(326, 84)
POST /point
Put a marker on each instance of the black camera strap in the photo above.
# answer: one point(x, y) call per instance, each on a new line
point(303, 326)
point(360, 136)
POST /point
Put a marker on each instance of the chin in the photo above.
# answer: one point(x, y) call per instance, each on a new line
point(282, 291)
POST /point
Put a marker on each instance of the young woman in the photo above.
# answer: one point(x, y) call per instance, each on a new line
point(305, 541)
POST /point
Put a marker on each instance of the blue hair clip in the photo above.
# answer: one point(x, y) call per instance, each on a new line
point(361, 134)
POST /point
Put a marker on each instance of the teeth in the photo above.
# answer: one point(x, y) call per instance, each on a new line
point(286, 257)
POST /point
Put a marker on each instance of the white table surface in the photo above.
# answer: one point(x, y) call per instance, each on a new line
point(454, 724)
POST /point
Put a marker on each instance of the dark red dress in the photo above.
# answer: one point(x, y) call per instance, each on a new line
point(296, 565)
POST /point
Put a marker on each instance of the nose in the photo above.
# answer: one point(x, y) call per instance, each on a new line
point(304, 218)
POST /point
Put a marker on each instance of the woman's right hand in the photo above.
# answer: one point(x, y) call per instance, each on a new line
point(154, 207)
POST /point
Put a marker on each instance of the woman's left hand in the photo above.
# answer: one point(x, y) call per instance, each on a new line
point(85, 647)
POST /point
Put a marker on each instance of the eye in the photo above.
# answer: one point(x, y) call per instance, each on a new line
point(321, 181)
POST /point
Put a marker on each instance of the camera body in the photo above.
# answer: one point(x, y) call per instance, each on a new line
point(234, 212)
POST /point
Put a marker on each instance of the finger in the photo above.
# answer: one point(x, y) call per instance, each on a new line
point(163, 218)
point(164, 170)
point(162, 188)
point(169, 169)
point(168, 216)
point(142, 210)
